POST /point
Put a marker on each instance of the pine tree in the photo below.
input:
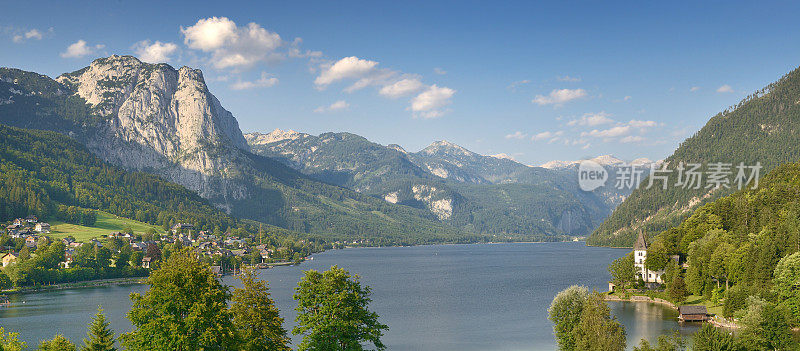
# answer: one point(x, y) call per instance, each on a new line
point(100, 336)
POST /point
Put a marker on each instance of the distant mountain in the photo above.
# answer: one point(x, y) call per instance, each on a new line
point(484, 194)
point(763, 128)
point(154, 118)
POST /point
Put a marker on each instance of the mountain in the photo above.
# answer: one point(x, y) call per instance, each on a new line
point(763, 128)
point(478, 193)
point(43, 172)
point(156, 119)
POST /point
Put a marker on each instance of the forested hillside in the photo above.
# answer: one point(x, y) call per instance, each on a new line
point(41, 171)
point(764, 128)
point(737, 242)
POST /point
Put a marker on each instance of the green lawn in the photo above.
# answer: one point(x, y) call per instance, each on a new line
point(106, 224)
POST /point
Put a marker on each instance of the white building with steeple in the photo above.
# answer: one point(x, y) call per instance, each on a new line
point(639, 259)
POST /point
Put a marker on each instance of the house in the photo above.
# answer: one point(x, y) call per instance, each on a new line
point(182, 226)
point(216, 270)
point(640, 257)
point(692, 313)
point(31, 219)
point(42, 227)
point(67, 241)
point(266, 254)
point(146, 262)
point(30, 241)
point(139, 246)
point(19, 221)
point(9, 258)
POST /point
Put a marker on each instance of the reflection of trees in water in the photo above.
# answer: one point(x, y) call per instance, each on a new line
point(649, 320)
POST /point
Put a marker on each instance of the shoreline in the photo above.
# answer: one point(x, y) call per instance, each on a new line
point(142, 280)
point(716, 321)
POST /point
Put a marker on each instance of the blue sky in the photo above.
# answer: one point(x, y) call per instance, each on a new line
point(537, 81)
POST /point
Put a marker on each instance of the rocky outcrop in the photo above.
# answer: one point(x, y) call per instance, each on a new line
point(162, 120)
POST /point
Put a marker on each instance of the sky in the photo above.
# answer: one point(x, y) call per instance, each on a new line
point(536, 81)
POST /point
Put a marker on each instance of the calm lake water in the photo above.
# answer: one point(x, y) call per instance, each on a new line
point(446, 297)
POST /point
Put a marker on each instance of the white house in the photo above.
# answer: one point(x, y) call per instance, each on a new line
point(639, 259)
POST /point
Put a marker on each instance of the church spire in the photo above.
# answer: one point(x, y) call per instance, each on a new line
point(641, 242)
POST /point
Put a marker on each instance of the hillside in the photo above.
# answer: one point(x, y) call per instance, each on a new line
point(159, 120)
point(764, 128)
point(41, 172)
point(738, 240)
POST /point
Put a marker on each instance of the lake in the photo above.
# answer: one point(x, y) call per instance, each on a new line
point(441, 297)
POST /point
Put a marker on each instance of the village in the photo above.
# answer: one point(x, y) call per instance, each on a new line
point(123, 253)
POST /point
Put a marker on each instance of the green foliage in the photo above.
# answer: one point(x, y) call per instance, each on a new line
point(710, 338)
point(5, 282)
point(761, 128)
point(673, 342)
point(787, 282)
point(583, 321)
point(255, 316)
point(623, 271)
point(765, 327)
point(57, 343)
point(333, 314)
point(676, 289)
point(10, 341)
point(565, 312)
point(99, 337)
point(597, 330)
point(184, 309)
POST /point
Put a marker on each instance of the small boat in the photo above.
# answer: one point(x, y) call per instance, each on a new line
point(4, 301)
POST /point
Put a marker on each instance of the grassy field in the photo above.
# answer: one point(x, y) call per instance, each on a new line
point(106, 223)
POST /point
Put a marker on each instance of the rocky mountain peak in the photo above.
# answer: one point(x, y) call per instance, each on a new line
point(160, 118)
point(446, 147)
point(256, 138)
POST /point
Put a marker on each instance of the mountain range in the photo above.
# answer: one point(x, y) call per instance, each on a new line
point(157, 119)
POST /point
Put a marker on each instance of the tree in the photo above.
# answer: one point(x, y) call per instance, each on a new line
point(787, 283)
point(657, 258)
point(710, 338)
point(622, 271)
point(5, 281)
point(100, 336)
point(565, 313)
point(10, 341)
point(597, 329)
point(136, 258)
point(672, 342)
point(677, 288)
point(255, 316)
point(332, 312)
point(58, 343)
point(184, 309)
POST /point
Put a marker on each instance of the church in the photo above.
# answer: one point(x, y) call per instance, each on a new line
point(640, 257)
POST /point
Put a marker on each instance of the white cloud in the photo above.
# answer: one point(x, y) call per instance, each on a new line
point(34, 34)
point(154, 52)
point(402, 87)
point(516, 135)
point(551, 136)
point(347, 68)
point(609, 133)
point(514, 85)
point(725, 89)
point(265, 81)
point(693, 89)
point(626, 98)
point(439, 71)
point(80, 49)
point(336, 106)
point(568, 79)
point(642, 124)
point(591, 120)
point(232, 46)
point(430, 102)
point(559, 97)
point(296, 52)
point(631, 139)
